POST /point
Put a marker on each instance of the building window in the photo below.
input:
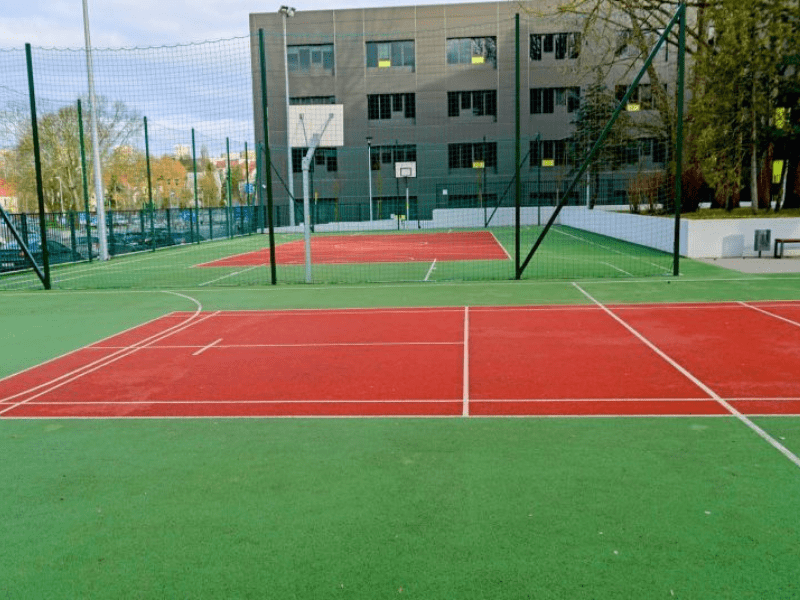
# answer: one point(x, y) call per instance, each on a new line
point(323, 157)
point(551, 153)
point(388, 155)
point(312, 100)
point(472, 155)
point(560, 45)
point(390, 54)
point(314, 59)
point(545, 100)
point(640, 99)
point(477, 103)
point(391, 106)
point(472, 51)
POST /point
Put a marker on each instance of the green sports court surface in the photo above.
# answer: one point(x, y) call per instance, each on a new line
point(121, 482)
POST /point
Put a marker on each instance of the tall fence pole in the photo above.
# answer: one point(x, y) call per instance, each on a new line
point(196, 199)
point(98, 169)
point(149, 186)
point(517, 152)
point(679, 139)
point(37, 159)
point(267, 159)
point(85, 182)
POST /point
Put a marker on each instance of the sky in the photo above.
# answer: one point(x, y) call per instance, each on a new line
point(131, 23)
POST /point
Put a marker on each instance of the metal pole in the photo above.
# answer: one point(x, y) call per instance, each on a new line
point(267, 158)
point(517, 152)
point(307, 215)
point(228, 185)
point(369, 173)
point(149, 186)
point(98, 172)
point(85, 183)
point(37, 163)
point(679, 139)
point(286, 12)
point(196, 199)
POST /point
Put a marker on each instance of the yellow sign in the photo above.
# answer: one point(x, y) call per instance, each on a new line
point(777, 171)
point(477, 60)
point(478, 164)
point(384, 63)
point(780, 118)
point(633, 107)
point(548, 162)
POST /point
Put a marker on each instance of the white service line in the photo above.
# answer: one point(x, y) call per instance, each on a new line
point(57, 382)
point(228, 275)
point(773, 315)
point(428, 274)
point(742, 418)
point(465, 395)
point(204, 348)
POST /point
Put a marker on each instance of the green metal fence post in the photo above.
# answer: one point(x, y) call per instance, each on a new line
point(679, 139)
point(517, 152)
point(267, 159)
point(84, 180)
point(196, 199)
point(37, 159)
point(149, 187)
point(229, 207)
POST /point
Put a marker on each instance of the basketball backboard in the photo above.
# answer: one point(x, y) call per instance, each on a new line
point(405, 169)
point(307, 120)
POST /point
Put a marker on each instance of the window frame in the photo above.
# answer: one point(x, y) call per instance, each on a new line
point(295, 67)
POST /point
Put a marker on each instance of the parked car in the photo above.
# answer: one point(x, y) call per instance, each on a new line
point(186, 237)
point(12, 258)
point(160, 237)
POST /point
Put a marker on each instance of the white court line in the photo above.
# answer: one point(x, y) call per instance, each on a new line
point(204, 348)
point(228, 275)
point(773, 315)
point(742, 418)
point(428, 274)
point(465, 395)
point(297, 345)
point(501, 245)
point(71, 376)
point(608, 264)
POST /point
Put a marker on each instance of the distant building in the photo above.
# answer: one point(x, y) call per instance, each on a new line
point(435, 85)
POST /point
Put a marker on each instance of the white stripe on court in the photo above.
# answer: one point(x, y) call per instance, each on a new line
point(298, 345)
point(773, 315)
point(465, 395)
point(204, 348)
point(428, 274)
point(742, 418)
point(228, 275)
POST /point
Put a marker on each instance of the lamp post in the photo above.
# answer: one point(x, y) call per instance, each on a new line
point(369, 173)
point(286, 12)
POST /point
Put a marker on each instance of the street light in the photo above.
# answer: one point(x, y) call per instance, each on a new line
point(286, 12)
point(369, 172)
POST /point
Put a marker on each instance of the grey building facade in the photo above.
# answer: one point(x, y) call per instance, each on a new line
point(436, 85)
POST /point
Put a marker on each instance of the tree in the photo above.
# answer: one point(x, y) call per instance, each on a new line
point(169, 182)
point(742, 79)
point(596, 109)
point(59, 144)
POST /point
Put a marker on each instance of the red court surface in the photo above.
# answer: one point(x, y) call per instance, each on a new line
point(393, 247)
point(660, 360)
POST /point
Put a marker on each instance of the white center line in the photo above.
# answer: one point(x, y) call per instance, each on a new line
point(204, 348)
point(742, 418)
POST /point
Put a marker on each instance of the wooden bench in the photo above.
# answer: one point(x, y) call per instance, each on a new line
point(781, 242)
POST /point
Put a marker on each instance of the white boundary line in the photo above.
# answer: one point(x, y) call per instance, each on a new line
point(298, 345)
point(501, 245)
point(742, 418)
point(773, 315)
point(106, 360)
point(428, 274)
point(206, 347)
point(465, 394)
point(234, 274)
